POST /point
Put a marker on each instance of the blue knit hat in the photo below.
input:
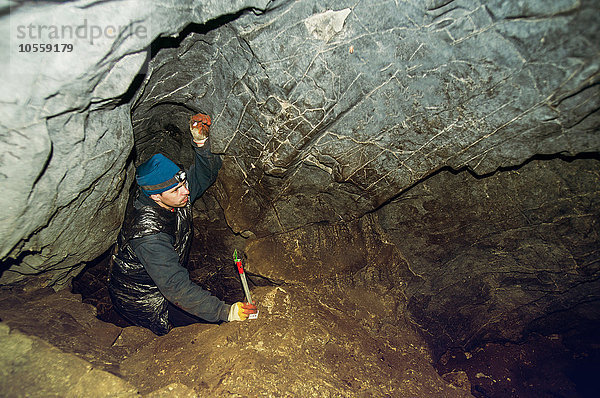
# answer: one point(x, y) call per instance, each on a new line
point(157, 174)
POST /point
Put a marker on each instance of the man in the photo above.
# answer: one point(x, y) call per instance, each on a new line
point(149, 285)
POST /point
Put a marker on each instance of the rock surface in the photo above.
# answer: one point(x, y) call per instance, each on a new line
point(326, 113)
point(33, 368)
point(497, 258)
point(323, 113)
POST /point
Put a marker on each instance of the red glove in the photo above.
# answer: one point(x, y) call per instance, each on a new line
point(199, 126)
point(240, 311)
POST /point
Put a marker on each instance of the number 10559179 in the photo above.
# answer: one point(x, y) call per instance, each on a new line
point(46, 48)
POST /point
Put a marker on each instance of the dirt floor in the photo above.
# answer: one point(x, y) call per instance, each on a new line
point(312, 349)
point(335, 338)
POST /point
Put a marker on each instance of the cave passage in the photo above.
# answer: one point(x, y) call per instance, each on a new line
point(415, 187)
point(445, 226)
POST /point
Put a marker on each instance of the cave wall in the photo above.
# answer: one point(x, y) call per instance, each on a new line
point(499, 257)
point(470, 259)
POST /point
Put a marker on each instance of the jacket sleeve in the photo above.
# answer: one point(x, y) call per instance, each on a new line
point(204, 171)
point(162, 264)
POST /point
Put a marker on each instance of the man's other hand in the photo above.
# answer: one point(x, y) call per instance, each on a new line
point(199, 127)
point(240, 311)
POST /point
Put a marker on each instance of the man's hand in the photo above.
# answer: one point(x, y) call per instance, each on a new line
point(240, 311)
point(199, 126)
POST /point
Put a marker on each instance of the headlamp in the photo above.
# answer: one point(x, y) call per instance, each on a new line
point(180, 176)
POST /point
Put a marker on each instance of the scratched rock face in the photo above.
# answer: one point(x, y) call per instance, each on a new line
point(326, 112)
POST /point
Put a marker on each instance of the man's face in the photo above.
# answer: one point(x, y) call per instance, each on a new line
point(177, 196)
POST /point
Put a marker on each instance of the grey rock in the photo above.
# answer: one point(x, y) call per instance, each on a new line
point(33, 368)
point(329, 112)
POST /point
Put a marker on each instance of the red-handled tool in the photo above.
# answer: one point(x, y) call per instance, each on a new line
point(240, 267)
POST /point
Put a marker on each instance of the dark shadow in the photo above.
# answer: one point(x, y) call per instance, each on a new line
point(92, 285)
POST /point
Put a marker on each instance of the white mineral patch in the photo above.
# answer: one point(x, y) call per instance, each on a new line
point(325, 25)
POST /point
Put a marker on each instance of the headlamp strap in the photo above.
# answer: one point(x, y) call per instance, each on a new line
point(176, 179)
